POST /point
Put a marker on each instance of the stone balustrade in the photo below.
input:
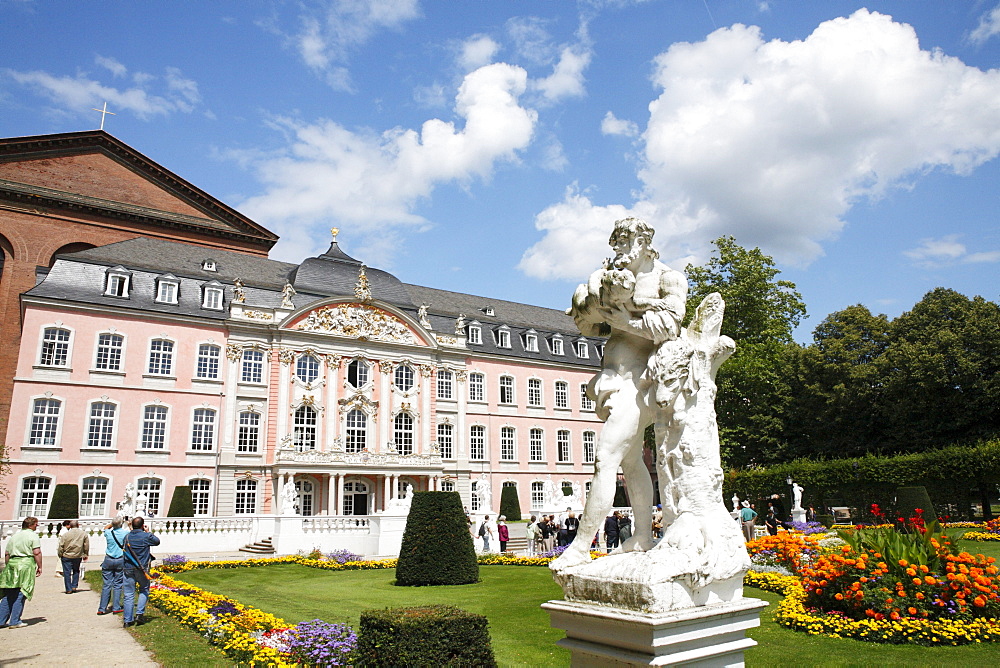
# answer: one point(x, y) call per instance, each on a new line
point(286, 456)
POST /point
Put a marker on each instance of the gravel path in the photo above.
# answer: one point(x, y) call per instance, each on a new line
point(65, 629)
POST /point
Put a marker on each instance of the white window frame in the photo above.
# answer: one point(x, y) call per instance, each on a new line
point(531, 342)
point(503, 337)
point(356, 436)
point(477, 387)
point(117, 282)
point(362, 368)
point(506, 382)
point(305, 431)
point(51, 351)
point(446, 440)
point(245, 499)
point(198, 494)
point(303, 361)
point(153, 504)
point(582, 349)
point(89, 507)
point(536, 445)
point(46, 418)
point(213, 297)
point(404, 374)
point(110, 351)
point(586, 403)
point(245, 429)
point(149, 445)
point(589, 446)
point(564, 446)
point(537, 494)
point(535, 398)
point(164, 294)
point(561, 393)
point(445, 384)
point(33, 509)
point(162, 355)
point(475, 333)
point(252, 367)
point(202, 429)
point(204, 355)
point(447, 486)
point(477, 441)
point(107, 426)
point(403, 435)
point(558, 348)
point(508, 444)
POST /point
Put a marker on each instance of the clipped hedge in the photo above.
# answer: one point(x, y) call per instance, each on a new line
point(957, 475)
point(181, 503)
point(437, 547)
point(435, 635)
point(510, 507)
point(65, 502)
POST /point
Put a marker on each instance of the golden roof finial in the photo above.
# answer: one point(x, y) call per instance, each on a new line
point(334, 231)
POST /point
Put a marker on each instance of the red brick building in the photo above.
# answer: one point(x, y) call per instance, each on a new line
point(69, 192)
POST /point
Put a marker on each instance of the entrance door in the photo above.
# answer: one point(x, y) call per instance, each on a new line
point(360, 504)
point(355, 498)
point(305, 490)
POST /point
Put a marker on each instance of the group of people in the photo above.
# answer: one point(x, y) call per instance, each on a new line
point(125, 569)
point(488, 529)
point(546, 533)
point(747, 517)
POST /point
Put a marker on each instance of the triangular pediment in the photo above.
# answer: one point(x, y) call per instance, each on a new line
point(366, 322)
point(95, 171)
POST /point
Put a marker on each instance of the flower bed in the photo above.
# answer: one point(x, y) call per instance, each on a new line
point(981, 536)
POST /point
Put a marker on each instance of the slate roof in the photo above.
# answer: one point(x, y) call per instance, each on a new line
point(80, 277)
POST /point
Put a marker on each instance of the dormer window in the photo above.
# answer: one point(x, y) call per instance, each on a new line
point(118, 282)
point(167, 288)
point(503, 337)
point(489, 310)
point(531, 341)
point(475, 332)
point(208, 265)
point(582, 350)
point(212, 296)
point(557, 345)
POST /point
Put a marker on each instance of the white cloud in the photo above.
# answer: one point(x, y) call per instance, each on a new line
point(532, 42)
point(477, 51)
point(111, 65)
point(553, 157)
point(566, 79)
point(773, 142)
point(948, 250)
point(81, 92)
point(611, 125)
point(326, 36)
point(371, 182)
point(989, 25)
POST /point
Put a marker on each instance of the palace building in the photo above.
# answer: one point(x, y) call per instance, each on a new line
point(163, 362)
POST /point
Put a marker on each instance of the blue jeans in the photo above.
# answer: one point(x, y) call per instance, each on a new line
point(135, 575)
point(486, 543)
point(71, 572)
point(113, 571)
point(11, 606)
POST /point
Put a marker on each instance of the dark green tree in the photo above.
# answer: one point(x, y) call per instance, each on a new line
point(761, 313)
point(510, 507)
point(181, 503)
point(437, 547)
point(65, 502)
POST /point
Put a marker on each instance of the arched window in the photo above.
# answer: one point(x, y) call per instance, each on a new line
point(109, 352)
point(203, 429)
point(506, 389)
point(534, 392)
point(248, 434)
point(154, 427)
point(477, 387)
point(201, 492)
point(209, 356)
point(305, 489)
point(475, 496)
point(537, 495)
point(447, 486)
point(356, 433)
point(34, 497)
point(508, 444)
point(445, 384)
point(55, 347)
point(307, 368)
point(357, 373)
point(477, 442)
point(101, 431)
point(563, 445)
point(536, 444)
point(588, 446)
point(161, 357)
point(355, 498)
point(402, 433)
point(94, 497)
point(44, 422)
point(246, 497)
point(304, 425)
point(562, 394)
point(152, 488)
point(403, 378)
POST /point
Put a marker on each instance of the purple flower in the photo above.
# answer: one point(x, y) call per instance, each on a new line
point(318, 642)
point(343, 556)
point(223, 607)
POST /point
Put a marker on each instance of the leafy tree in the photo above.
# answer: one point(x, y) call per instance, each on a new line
point(761, 313)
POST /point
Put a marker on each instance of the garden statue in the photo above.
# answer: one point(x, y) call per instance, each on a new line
point(655, 372)
point(484, 493)
point(736, 504)
point(140, 505)
point(796, 496)
point(127, 506)
point(289, 499)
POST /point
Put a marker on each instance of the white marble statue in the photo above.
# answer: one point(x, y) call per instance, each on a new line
point(289, 499)
point(551, 497)
point(401, 504)
point(286, 296)
point(655, 372)
point(796, 496)
point(484, 491)
point(239, 292)
point(460, 324)
point(736, 504)
point(127, 508)
point(141, 505)
point(422, 316)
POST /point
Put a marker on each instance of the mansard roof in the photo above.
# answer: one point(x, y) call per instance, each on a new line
point(96, 174)
point(80, 277)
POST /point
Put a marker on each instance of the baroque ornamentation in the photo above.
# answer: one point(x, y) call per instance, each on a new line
point(359, 402)
point(362, 290)
point(258, 315)
point(233, 351)
point(358, 321)
point(286, 356)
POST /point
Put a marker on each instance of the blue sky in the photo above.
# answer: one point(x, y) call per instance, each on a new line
point(487, 147)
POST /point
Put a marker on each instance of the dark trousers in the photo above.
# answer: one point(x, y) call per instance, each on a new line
point(71, 572)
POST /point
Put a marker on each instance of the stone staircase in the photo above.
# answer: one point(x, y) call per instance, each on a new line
point(262, 546)
point(517, 544)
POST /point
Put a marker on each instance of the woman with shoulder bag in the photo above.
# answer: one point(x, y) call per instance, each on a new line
point(113, 568)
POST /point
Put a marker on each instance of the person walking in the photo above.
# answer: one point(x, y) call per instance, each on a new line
point(484, 533)
point(17, 581)
point(503, 533)
point(73, 550)
point(531, 535)
point(137, 558)
point(624, 527)
point(113, 568)
point(747, 516)
point(611, 531)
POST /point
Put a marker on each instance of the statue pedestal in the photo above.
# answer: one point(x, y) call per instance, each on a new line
point(709, 635)
point(798, 515)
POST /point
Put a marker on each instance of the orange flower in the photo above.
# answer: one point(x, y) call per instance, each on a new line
point(929, 580)
point(912, 610)
point(979, 601)
point(902, 562)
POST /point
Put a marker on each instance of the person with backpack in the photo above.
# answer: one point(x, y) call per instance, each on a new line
point(485, 531)
point(137, 560)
